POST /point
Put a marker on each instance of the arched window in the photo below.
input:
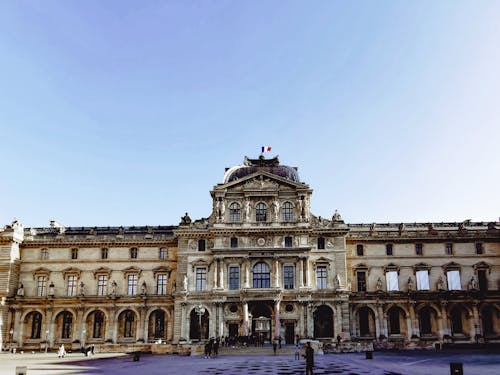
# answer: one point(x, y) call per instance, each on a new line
point(424, 317)
point(261, 276)
point(261, 212)
point(287, 211)
point(36, 324)
point(128, 329)
point(394, 322)
point(234, 212)
point(98, 324)
point(67, 323)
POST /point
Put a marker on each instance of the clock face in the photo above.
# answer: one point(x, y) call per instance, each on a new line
point(261, 241)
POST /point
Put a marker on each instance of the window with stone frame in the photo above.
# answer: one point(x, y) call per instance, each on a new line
point(133, 253)
point(287, 211)
point(67, 325)
point(234, 278)
point(321, 243)
point(71, 285)
point(102, 283)
point(104, 253)
point(419, 249)
point(448, 248)
point(163, 253)
point(479, 248)
point(44, 254)
point(132, 284)
point(261, 212)
point(453, 277)
point(289, 277)
point(321, 277)
point(388, 249)
point(128, 329)
point(201, 279)
point(482, 280)
point(361, 281)
point(288, 241)
point(98, 325)
point(41, 286)
point(234, 242)
point(74, 253)
point(360, 250)
point(422, 277)
point(261, 275)
point(36, 325)
point(391, 278)
point(201, 245)
point(234, 213)
point(161, 284)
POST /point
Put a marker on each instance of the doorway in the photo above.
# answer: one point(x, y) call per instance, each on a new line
point(290, 333)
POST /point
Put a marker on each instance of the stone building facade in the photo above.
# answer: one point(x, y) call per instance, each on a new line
point(261, 265)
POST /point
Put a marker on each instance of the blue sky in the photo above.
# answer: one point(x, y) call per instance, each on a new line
point(127, 112)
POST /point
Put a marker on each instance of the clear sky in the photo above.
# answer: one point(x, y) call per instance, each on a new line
point(127, 112)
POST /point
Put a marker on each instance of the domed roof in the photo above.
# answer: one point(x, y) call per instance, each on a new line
point(261, 164)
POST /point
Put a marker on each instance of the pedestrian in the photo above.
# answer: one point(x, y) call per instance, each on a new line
point(216, 347)
point(206, 350)
point(339, 339)
point(297, 351)
point(210, 347)
point(275, 346)
point(61, 352)
point(309, 359)
point(279, 338)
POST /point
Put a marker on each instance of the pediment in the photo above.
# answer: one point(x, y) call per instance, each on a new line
point(102, 271)
point(161, 269)
point(421, 266)
point(41, 271)
point(261, 181)
point(131, 270)
point(451, 265)
point(482, 266)
point(71, 271)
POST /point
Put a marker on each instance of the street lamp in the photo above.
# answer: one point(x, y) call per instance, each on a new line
point(46, 340)
point(200, 310)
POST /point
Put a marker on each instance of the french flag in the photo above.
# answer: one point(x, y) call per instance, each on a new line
point(266, 149)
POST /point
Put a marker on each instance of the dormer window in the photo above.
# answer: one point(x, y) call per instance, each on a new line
point(74, 253)
point(234, 213)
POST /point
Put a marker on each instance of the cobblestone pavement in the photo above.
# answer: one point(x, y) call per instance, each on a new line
point(383, 363)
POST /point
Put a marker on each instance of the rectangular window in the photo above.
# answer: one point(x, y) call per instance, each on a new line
point(44, 254)
point(201, 279)
point(161, 284)
point(360, 251)
point(391, 278)
point(133, 253)
point(234, 278)
point(419, 249)
point(288, 241)
point(422, 280)
point(71, 291)
point(321, 277)
point(361, 278)
point(104, 253)
point(288, 277)
point(102, 283)
point(454, 280)
point(201, 245)
point(234, 242)
point(449, 248)
point(74, 253)
point(163, 253)
point(321, 243)
point(483, 280)
point(132, 285)
point(41, 286)
point(388, 249)
point(479, 248)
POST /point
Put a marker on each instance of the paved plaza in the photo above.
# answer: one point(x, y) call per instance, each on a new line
point(383, 363)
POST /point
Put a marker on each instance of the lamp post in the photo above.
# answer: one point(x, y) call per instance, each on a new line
point(200, 310)
point(46, 340)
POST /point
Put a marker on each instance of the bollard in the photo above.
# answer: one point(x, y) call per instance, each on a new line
point(369, 354)
point(456, 368)
point(21, 370)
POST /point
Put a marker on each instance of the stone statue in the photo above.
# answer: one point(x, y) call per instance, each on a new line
point(336, 216)
point(20, 290)
point(410, 284)
point(379, 284)
point(472, 283)
point(248, 210)
point(306, 208)
point(185, 283)
point(275, 209)
point(113, 287)
point(51, 289)
point(185, 220)
point(440, 283)
point(82, 288)
point(301, 208)
point(337, 281)
point(144, 288)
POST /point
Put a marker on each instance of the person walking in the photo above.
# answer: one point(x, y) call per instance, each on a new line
point(275, 346)
point(309, 359)
point(297, 351)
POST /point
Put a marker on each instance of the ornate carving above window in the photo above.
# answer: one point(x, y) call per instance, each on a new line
point(482, 266)
point(102, 271)
point(201, 263)
point(71, 271)
point(451, 266)
point(391, 267)
point(421, 267)
point(130, 271)
point(162, 269)
point(41, 272)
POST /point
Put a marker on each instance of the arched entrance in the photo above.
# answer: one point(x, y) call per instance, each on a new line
point(427, 321)
point(366, 321)
point(261, 320)
point(194, 326)
point(157, 325)
point(323, 322)
point(96, 325)
point(396, 321)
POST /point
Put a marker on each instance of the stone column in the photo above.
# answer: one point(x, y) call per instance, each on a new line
point(382, 320)
point(306, 270)
point(277, 322)
point(183, 321)
point(110, 325)
point(221, 274)
point(170, 323)
point(114, 324)
point(216, 273)
point(310, 320)
point(337, 326)
point(415, 329)
point(141, 326)
point(276, 273)
point(80, 326)
point(247, 273)
point(301, 273)
point(476, 324)
point(245, 318)
point(18, 328)
point(221, 319)
point(443, 326)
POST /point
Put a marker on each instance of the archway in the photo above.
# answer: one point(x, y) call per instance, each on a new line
point(323, 322)
point(96, 325)
point(262, 321)
point(427, 321)
point(457, 320)
point(366, 322)
point(194, 327)
point(157, 325)
point(396, 321)
point(64, 325)
point(127, 323)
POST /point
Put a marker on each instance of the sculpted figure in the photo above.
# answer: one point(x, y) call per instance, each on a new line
point(275, 209)
point(144, 288)
point(472, 283)
point(82, 288)
point(379, 284)
point(410, 284)
point(185, 283)
point(20, 290)
point(185, 220)
point(248, 210)
point(440, 283)
point(113, 287)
